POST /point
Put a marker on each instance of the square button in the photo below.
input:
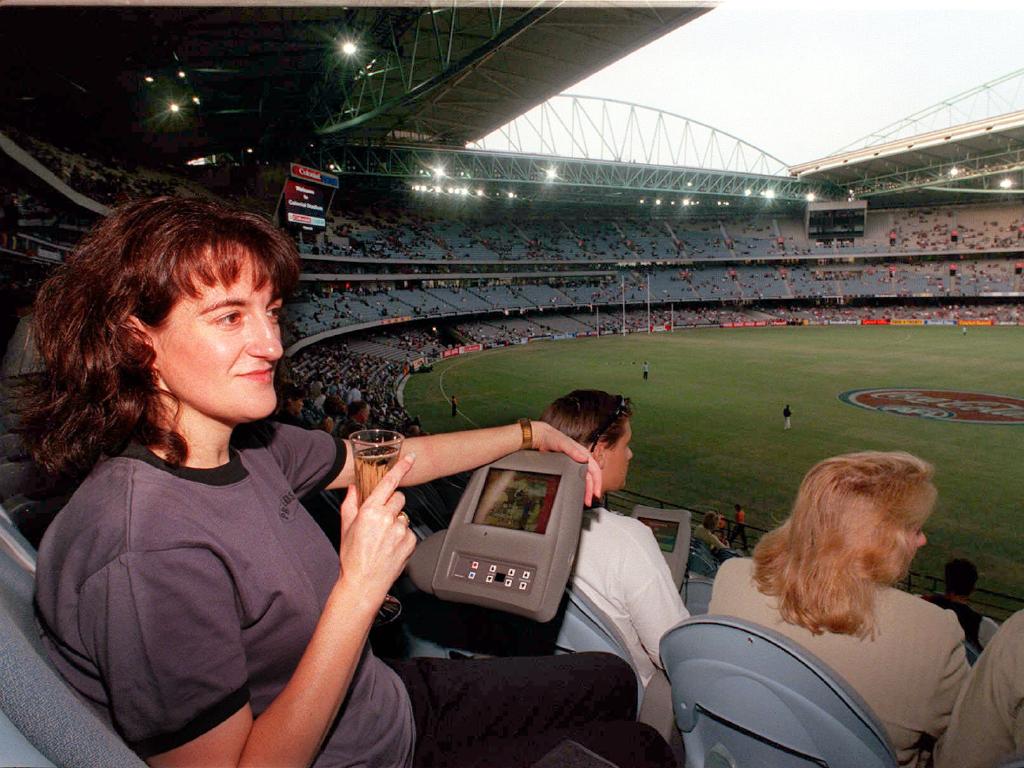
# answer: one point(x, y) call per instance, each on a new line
point(472, 575)
point(492, 568)
point(523, 585)
point(508, 582)
point(525, 575)
point(490, 578)
point(511, 572)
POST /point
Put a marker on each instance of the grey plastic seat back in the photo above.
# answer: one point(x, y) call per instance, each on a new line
point(585, 627)
point(34, 697)
point(15, 546)
point(697, 594)
point(744, 695)
point(987, 629)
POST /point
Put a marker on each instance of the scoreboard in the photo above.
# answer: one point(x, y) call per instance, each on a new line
point(836, 221)
point(307, 196)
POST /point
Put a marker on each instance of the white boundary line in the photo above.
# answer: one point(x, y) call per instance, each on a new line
point(440, 385)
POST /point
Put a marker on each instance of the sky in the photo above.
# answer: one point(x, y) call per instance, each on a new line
point(799, 78)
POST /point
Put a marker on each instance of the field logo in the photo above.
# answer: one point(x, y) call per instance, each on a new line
point(941, 404)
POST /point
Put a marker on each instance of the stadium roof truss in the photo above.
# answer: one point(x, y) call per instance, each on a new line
point(969, 145)
point(588, 128)
point(479, 173)
point(453, 72)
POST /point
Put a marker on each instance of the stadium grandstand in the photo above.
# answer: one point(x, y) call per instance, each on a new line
point(449, 195)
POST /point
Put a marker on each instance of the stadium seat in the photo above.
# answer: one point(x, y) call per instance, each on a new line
point(11, 447)
point(697, 594)
point(701, 562)
point(987, 629)
point(15, 545)
point(744, 695)
point(36, 700)
point(20, 477)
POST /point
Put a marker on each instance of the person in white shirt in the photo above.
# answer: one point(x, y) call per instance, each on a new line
point(619, 565)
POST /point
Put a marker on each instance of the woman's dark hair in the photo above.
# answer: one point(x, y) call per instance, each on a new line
point(99, 390)
point(589, 416)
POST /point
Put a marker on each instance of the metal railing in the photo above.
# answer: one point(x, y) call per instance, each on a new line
point(996, 605)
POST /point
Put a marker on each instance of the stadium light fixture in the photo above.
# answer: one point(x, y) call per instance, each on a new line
point(349, 48)
point(195, 100)
point(479, 193)
point(748, 192)
point(551, 173)
point(641, 201)
point(181, 74)
point(809, 197)
point(657, 201)
point(439, 172)
point(1006, 183)
point(175, 108)
point(954, 171)
point(769, 193)
point(511, 195)
point(149, 79)
point(689, 183)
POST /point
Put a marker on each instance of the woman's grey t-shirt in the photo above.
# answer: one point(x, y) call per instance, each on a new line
point(171, 597)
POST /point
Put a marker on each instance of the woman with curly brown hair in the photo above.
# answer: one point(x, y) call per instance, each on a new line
point(826, 577)
point(183, 590)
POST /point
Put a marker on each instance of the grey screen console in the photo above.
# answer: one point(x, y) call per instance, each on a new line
point(512, 539)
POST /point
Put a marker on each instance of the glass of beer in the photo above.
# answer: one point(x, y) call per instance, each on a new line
point(375, 451)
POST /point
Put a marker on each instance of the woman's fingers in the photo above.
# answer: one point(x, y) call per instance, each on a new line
point(389, 483)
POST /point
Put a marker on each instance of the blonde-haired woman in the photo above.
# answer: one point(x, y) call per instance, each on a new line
point(825, 579)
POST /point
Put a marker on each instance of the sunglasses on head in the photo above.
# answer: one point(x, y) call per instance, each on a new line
point(620, 408)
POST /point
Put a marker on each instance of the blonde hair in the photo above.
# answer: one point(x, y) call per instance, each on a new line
point(851, 531)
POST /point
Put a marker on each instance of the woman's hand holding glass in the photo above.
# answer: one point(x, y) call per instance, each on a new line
point(375, 538)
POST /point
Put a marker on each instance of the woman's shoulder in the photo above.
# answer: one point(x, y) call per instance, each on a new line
point(918, 616)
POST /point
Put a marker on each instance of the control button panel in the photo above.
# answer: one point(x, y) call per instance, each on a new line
point(499, 575)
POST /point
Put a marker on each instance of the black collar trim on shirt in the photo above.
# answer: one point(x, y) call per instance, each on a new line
point(226, 474)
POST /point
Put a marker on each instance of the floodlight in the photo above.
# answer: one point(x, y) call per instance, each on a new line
point(673, 202)
point(195, 100)
point(689, 183)
point(248, 150)
point(769, 193)
point(641, 201)
point(479, 193)
point(748, 192)
point(1006, 183)
point(954, 171)
point(686, 201)
point(657, 201)
point(349, 48)
point(149, 79)
point(174, 107)
point(511, 195)
point(439, 172)
point(809, 197)
point(181, 74)
point(551, 173)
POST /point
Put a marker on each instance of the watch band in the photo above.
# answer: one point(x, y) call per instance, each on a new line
point(527, 428)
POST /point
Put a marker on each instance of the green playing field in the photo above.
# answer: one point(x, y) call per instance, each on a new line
point(708, 428)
